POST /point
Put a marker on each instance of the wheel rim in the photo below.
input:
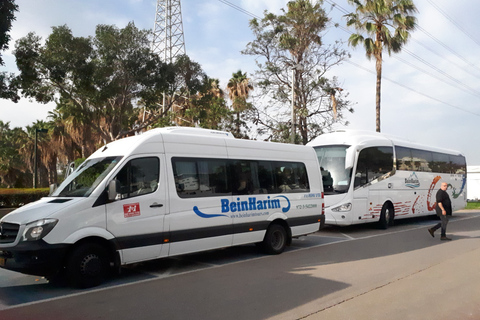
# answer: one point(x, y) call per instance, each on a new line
point(277, 240)
point(91, 265)
point(387, 215)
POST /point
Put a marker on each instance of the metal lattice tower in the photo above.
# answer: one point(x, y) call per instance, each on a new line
point(168, 40)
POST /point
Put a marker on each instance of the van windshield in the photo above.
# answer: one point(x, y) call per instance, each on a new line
point(86, 178)
point(336, 179)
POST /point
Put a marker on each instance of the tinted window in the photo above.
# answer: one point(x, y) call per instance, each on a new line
point(404, 158)
point(422, 160)
point(373, 163)
point(138, 177)
point(196, 177)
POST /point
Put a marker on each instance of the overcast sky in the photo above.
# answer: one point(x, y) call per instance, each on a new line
point(430, 91)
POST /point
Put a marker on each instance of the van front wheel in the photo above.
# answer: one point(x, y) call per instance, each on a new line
point(87, 266)
point(275, 239)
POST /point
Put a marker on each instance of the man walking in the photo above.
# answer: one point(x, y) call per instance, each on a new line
point(444, 210)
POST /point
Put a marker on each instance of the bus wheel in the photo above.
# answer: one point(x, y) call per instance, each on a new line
point(87, 266)
point(386, 216)
point(275, 239)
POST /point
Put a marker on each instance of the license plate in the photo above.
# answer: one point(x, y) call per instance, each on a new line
point(2, 262)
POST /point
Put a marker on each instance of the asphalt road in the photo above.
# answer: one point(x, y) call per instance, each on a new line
point(356, 272)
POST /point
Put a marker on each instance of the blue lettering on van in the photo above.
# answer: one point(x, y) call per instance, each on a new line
point(252, 204)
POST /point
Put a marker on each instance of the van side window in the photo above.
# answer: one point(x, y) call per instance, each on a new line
point(139, 176)
point(201, 177)
point(195, 177)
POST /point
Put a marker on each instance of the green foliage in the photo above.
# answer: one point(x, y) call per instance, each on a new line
point(98, 80)
point(13, 198)
point(8, 85)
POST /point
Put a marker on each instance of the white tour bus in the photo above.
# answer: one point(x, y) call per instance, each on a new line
point(369, 177)
point(167, 192)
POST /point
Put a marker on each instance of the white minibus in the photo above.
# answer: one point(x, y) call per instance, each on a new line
point(371, 177)
point(166, 192)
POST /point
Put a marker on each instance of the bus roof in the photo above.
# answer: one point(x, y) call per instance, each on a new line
point(370, 138)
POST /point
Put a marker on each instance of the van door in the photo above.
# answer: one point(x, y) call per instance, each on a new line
point(136, 217)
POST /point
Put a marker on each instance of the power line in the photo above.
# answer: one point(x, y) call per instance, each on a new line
point(234, 6)
point(447, 47)
point(413, 90)
point(453, 21)
point(338, 7)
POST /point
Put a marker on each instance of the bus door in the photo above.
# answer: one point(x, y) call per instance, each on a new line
point(374, 164)
point(136, 216)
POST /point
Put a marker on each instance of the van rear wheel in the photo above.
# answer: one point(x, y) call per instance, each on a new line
point(87, 266)
point(275, 239)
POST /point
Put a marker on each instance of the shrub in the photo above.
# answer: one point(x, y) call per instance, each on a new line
point(14, 198)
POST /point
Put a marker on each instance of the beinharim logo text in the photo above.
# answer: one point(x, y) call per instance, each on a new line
point(252, 204)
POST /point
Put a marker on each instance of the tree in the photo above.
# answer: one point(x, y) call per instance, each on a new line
point(8, 89)
point(294, 58)
point(98, 81)
point(13, 169)
point(239, 88)
point(387, 24)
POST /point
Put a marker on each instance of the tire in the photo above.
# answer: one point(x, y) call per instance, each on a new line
point(387, 216)
point(275, 239)
point(87, 266)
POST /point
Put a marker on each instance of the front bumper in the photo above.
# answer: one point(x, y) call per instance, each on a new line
point(35, 258)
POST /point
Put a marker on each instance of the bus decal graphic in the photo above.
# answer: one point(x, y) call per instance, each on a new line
point(206, 215)
point(412, 181)
point(455, 195)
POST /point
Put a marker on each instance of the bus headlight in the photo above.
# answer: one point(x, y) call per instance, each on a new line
point(343, 208)
point(38, 229)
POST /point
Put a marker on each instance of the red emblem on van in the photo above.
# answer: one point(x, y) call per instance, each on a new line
point(131, 210)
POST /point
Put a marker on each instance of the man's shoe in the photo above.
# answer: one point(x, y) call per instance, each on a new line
point(431, 232)
point(445, 238)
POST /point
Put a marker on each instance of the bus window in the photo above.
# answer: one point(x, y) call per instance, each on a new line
point(459, 165)
point(422, 160)
point(404, 158)
point(336, 179)
point(373, 164)
point(441, 162)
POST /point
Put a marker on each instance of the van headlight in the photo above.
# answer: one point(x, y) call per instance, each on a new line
point(343, 208)
point(38, 229)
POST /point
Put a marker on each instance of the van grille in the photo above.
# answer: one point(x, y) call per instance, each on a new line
point(8, 232)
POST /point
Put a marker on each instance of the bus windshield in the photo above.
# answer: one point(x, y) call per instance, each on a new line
point(86, 178)
point(336, 179)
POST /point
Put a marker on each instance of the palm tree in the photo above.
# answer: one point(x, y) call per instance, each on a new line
point(239, 88)
point(387, 24)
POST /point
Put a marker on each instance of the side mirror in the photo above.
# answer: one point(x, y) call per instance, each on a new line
point(52, 187)
point(112, 190)
point(349, 157)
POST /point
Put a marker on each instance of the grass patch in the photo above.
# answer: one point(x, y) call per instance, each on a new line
point(473, 205)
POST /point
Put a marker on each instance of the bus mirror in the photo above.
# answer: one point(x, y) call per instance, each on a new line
point(113, 187)
point(349, 157)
